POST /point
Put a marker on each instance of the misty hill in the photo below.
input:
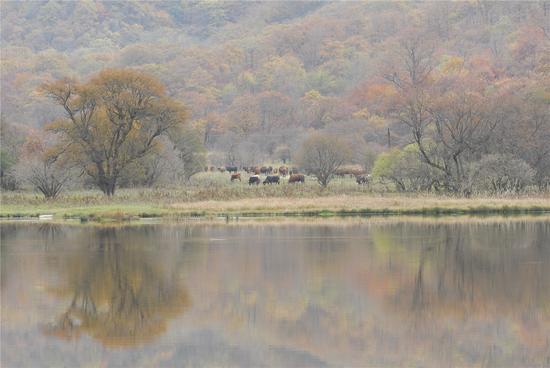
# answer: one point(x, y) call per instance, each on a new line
point(250, 69)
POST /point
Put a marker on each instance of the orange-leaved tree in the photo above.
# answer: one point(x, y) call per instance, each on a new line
point(112, 120)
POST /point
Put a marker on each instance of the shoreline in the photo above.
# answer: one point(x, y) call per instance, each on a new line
point(328, 206)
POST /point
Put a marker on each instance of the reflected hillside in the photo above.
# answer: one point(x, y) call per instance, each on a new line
point(468, 268)
point(389, 293)
point(351, 293)
point(121, 293)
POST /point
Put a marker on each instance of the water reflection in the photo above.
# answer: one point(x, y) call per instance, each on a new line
point(351, 293)
point(120, 294)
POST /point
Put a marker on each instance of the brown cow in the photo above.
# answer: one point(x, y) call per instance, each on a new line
point(340, 172)
point(236, 176)
point(283, 171)
point(297, 178)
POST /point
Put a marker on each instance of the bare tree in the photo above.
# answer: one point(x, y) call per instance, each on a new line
point(322, 155)
point(446, 125)
point(44, 167)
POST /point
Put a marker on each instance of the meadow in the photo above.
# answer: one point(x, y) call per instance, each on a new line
point(212, 194)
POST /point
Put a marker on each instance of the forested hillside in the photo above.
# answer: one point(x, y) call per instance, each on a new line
point(258, 77)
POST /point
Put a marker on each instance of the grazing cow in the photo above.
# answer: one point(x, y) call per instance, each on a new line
point(340, 172)
point(231, 168)
point(362, 179)
point(221, 169)
point(272, 179)
point(254, 179)
point(236, 176)
point(283, 171)
point(297, 178)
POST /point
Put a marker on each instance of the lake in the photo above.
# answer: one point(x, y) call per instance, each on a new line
point(289, 293)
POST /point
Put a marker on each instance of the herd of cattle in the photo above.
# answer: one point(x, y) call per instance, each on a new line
point(274, 174)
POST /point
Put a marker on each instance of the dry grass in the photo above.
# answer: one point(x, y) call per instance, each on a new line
point(212, 194)
point(358, 203)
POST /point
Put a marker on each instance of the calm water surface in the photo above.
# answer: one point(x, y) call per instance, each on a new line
point(327, 293)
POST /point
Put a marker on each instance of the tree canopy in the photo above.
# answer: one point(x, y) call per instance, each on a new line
point(112, 120)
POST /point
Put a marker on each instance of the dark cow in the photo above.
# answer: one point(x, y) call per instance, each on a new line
point(236, 176)
point(272, 179)
point(266, 170)
point(297, 178)
point(254, 179)
point(362, 179)
point(231, 169)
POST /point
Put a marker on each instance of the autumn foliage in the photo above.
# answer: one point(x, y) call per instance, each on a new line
point(112, 121)
point(459, 79)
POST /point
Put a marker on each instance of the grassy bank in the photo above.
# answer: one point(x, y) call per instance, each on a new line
point(212, 194)
point(265, 201)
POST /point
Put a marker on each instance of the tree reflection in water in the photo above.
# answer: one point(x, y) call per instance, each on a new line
point(120, 294)
point(477, 273)
point(479, 270)
point(446, 292)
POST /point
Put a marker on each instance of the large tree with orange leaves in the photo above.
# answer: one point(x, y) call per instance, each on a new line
point(112, 121)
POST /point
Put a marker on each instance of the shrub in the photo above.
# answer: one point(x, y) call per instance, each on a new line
point(498, 174)
point(43, 167)
point(406, 170)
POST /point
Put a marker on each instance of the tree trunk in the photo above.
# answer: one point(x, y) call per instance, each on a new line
point(107, 186)
point(111, 187)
